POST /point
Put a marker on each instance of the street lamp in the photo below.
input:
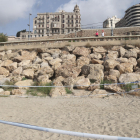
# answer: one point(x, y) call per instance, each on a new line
point(29, 25)
point(111, 28)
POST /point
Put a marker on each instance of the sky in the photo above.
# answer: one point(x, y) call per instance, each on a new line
point(14, 14)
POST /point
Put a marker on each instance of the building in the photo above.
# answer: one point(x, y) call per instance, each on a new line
point(48, 24)
point(110, 22)
point(131, 18)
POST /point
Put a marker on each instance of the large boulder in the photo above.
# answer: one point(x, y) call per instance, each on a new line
point(138, 61)
point(26, 56)
point(99, 50)
point(36, 67)
point(110, 64)
point(45, 55)
point(133, 61)
point(114, 73)
point(44, 64)
point(69, 59)
point(82, 83)
point(93, 71)
point(81, 61)
point(18, 91)
point(12, 66)
point(55, 61)
point(21, 84)
point(17, 71)
point(96, 56)
point(67, 71)
point(129, 47)
point(129, 77)
point(24, 63)
point(43, 79)
point(94, 86)
point(113, 88)
point(81, 51)
point(6, 63)
point(2, 54)
point(112, 54)
point(3, 79)
point(96, 61)
point(125, 68)
point(122, 52)
point(4, 71)
point(116, 48)
point(122, 60)
point(29, 73)
point(69, 48)
point(112, 78)
point(37, 60)
point(55, 53)
point(130, 53)
point(99, 93)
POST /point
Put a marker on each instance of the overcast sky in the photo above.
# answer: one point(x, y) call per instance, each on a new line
point(14, 14)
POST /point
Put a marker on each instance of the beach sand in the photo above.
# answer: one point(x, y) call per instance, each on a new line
point(114, 116)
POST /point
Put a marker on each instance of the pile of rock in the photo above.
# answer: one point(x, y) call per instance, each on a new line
point(70, 66)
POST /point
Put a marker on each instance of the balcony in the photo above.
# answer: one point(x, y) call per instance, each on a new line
point(56, 25)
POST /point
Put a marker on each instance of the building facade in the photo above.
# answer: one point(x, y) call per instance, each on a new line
point(48, 24)
point(110, 22)
point(131, 18)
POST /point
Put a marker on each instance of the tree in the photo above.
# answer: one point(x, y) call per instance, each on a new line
point(3, 37)
point(18, 33)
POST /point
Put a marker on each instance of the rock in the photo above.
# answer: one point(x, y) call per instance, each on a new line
point(11, 56)
point(35, 67)
point(69, 82)
point(69, 48)
point(133, 61)
point(63, 52)
point(99, 50)
point(129, 47)
point(8, 52)
point(45, 70)
point(29, 73)
point(3, 79)
point(17, 71)
point(45, 55)
point(129, 77)
point(93, 71)
point(18, 92)
point(6, 63)
point(94, 86)
point(24, 63)
point(54, 52)
point(4, 71)
point(116, 48)
point(115, 73)
point(12, 66)
point(5, 93)
point(96, 56)
point(112, 54)
point(125, 68)
point(96, 61)
point(81, 51)
point(99, 93)
point(44, 64)
point(44, 79)
point(122, 60)
point(67, 71)
point(16, 78)
point(24, 83)
point(56, 66)
point(138, 61)
point(113, 88)
point(135, 93)
point(122, 52)
point(37, 60)
point(1, 90)
point(110, 64)
point(26, 56)
point(130, 53)
point(58, 91)
point(112, 78)
point(55, 61)
point(82, 83)
point(69, 59)
point(2, 54)
point(48, 58)
point(81, 61)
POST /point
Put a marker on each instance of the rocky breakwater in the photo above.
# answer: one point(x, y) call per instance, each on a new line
point(70, 66)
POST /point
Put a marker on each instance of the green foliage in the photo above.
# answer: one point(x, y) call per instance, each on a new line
point(69, 40)
point(92, 81)
point(127, 87)
point(9, 83)
point(24, 78)
point(3, 37)
point(73, 40)
point(18, 33)
point(43, 90)
point(104, 82)
point(68, 91)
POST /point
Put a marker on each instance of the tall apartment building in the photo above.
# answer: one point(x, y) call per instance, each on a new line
point(57, 23)
point(110, 22)
point(131, 18)
point(47, 24)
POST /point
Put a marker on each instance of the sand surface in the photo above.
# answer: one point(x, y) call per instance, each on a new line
point(110, 116)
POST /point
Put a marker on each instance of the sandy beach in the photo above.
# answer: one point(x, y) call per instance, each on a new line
point(115, 116)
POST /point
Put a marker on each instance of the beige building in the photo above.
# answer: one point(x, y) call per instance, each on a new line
point(110, 22)
point(48, 24)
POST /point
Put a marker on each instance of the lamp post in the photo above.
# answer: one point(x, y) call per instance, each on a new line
point(29, 25)
point(111, 28)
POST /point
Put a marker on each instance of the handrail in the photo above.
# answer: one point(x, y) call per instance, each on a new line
point(68, 39)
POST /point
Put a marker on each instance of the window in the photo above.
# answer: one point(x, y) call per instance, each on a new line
point(68, 25)
point(35, 35)
point(39, 31)
point(63, 25)
point(72, 21)
point(68, 16)
point(39, 35)
point(63, 21)
point(72, 16)
point(35, 21)
point(72, 25)
point(39, 25)
point(68, 21)
point(68, 30)
point(76, 16)
point(42, 25)
point(35, 31)
point(63, 16)
point(76, 21)
point(71, 29)
point(76, 25)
